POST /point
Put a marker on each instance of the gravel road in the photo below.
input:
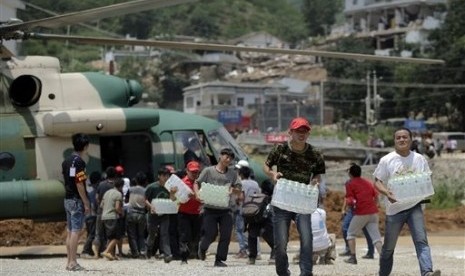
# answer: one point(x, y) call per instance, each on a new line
point(448, 252)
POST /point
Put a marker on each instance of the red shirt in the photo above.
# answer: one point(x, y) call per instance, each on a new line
point(192, 206)
point(361, 194)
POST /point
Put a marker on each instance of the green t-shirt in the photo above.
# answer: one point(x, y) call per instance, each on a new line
point(109, 202)
point(296, 166)
point(155, 190)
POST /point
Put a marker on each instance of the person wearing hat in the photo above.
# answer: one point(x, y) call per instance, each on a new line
point(215, 217)
point(299, 161)
point(122, 220)
point(189, 221)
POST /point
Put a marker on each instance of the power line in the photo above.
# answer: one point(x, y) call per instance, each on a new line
point(395, 84)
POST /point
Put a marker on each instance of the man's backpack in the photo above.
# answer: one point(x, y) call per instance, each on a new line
point(254, 208)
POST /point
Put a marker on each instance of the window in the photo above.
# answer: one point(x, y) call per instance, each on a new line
point(189, 102)
point(240, 101)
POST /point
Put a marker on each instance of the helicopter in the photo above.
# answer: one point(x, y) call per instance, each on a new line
point(41, 108)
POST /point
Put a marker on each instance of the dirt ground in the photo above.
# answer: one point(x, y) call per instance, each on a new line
point(27, 232)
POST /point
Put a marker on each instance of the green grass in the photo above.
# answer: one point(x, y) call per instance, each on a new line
point(447, 195)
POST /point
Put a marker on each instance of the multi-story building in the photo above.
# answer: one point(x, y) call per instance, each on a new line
point(251, 105)
point(394, 22)
point(8, 10)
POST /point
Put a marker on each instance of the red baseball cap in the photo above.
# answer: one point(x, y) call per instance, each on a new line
point(193, 166)
point(300, 122)
point(119, 169)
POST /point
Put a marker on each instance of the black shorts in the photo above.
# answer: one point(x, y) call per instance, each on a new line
point(112, 231)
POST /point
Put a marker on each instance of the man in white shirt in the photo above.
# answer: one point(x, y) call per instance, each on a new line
point(403, 161)
point(324, 244)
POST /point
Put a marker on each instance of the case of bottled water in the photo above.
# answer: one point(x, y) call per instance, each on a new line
point(295, 197)
point(182, 195)
point(411, 186)
point(215, 195)
point(164, 206)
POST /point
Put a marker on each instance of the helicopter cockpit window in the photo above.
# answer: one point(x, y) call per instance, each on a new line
point(189, 145)
point(7, 161)
point(221, 138)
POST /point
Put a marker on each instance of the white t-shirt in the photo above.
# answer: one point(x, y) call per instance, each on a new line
point(394, 164)
point(321, 239)
point(126, 186)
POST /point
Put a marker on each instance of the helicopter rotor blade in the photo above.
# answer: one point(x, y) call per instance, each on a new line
point(222, 47)
point(9, 31)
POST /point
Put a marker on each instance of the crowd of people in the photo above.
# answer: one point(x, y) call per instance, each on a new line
point(110, 210)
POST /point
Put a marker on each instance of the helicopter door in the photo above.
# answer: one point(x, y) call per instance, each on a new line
point(132, 151)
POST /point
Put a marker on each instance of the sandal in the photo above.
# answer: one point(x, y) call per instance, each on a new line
point(108, 256)
point(77, 267)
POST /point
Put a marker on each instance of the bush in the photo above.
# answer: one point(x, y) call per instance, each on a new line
point(447, 195)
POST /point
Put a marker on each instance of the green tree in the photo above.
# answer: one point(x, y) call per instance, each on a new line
point(448, 43)
point(348, 100)
point(320, 15)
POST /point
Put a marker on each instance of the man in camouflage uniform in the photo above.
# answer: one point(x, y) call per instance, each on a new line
point(298, 161)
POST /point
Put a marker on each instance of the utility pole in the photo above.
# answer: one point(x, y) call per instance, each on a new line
point(372, 115)
point(368, 100)
point(278, 101)
point(322, 103)
point(375, 97)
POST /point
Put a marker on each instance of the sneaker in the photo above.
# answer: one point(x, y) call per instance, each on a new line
point(76, 267)
point(159, 256)
point(434, 273)
point(271, 261)
point(241, 255)
point(251, 261)
point(86, 256)
point(122, 255)
point(259, 257)
point(202, 254)
point(219, 263)
point(351, 260)
point(168, 259)
point(368, 256)
point(183, 262)
point(345, 254)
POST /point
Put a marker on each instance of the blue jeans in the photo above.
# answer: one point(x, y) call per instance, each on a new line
point(415, 221)
point(281, 223)
point(240, 235)
point(345, 227)
point(74, 214)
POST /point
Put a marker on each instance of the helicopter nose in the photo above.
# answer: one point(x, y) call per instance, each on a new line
point(135, 92)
